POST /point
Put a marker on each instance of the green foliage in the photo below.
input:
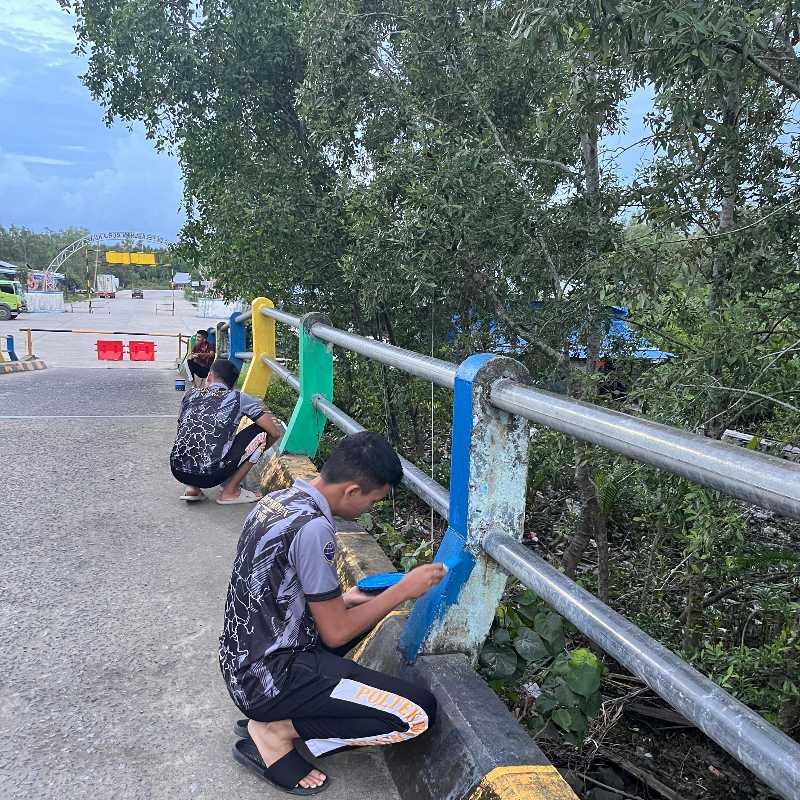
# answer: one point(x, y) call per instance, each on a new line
point(406, 553)
point(527, 644)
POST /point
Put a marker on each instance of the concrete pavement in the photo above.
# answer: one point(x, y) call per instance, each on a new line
point(121, 314)
point(111, 601)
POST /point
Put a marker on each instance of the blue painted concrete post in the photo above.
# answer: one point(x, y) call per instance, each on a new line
point(487, 494)
point(12, 354)
point(237, 339)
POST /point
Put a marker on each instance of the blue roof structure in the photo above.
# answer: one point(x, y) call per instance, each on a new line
point(620, 339)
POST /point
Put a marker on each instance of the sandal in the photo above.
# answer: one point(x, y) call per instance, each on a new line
point(245, 496)
point(284, 774)
point(193, 498)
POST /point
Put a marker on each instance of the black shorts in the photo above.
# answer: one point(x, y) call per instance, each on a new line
point(335, 704)
point(198, 370)
point(226, 467)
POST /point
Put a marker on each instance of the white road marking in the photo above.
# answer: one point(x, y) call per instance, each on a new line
point(92, 416)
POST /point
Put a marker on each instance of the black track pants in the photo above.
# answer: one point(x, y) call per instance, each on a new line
point(336, 704)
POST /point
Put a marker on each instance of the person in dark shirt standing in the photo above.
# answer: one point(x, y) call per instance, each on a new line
point(209, 448)
point(288, 625)
point(201, 358)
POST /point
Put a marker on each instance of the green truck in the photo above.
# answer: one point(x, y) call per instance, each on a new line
point(12, 299)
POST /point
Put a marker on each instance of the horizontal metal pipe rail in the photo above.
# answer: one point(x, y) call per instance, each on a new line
point(750, 739)
point(755, 477)
point(243, 356)
point(436, 496)
point(282, 372)
point(281, 316)
point(751, 476)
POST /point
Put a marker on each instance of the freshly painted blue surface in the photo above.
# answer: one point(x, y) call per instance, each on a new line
point(452, 551)
point(237, 340)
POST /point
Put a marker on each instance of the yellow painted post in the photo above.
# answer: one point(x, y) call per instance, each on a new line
point(30, 344)
point(259, 374)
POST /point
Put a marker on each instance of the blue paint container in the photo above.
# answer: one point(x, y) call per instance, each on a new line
point(180, 385)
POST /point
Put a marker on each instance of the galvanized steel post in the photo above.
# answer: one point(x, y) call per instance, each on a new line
point(487, 494)
point(259, 374)
point(316, 378)
point(237, 339)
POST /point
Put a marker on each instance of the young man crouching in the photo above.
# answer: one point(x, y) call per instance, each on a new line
point(288, 626)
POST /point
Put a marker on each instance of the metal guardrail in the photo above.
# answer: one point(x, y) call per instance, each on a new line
point(750, 476)
point(748, 737)
point(745, 474)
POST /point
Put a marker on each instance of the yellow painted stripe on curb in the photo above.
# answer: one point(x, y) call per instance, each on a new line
point(7, 367)
point(359, 651)
point(541, 782)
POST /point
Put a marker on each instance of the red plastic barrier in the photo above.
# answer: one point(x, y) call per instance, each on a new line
point(109, 350)
point(141, 351)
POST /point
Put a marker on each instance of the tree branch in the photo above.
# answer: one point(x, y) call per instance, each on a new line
point(519, 330)
point(793, 87)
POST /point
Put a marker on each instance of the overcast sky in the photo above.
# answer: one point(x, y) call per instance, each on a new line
point(59, 164)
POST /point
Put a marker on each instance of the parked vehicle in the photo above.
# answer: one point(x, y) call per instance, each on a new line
point(106, 286)
point(137, 294)
point(12, 299)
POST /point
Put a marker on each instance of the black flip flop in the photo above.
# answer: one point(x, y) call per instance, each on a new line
point(240, 728)
point(284, 774)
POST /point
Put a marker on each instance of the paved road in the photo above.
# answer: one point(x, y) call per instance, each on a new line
point(111, 599)
point(121, 314)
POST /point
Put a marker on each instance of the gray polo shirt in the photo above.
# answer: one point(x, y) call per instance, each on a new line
point(286, 556)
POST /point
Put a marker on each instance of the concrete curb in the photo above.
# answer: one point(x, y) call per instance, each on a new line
point(7, 367)
point(477, 750)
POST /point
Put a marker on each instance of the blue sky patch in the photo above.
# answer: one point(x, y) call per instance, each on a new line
point(60, 165)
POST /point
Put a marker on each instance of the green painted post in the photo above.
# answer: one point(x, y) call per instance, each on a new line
point(316, 377)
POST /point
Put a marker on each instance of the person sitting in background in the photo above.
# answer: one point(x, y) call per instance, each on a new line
point(208, 451)
point(202, 355)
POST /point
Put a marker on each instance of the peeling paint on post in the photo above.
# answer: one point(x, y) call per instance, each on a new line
point(316, 377)
point(487, 494)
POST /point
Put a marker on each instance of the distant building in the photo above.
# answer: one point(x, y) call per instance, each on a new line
point(8, 269)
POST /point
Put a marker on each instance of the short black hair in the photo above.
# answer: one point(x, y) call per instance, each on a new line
point(366, 458)
point(226, 371)
point(202, 333)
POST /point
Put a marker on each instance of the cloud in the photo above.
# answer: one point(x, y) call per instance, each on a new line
point(141, 190)
point(36, 26)
point(52, 162)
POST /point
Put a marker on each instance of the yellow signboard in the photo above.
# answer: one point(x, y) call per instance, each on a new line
point(119, 257)
point(144, 259)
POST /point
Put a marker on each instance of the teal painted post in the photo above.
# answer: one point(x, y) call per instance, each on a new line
point(316, 377)
point(488, 478)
